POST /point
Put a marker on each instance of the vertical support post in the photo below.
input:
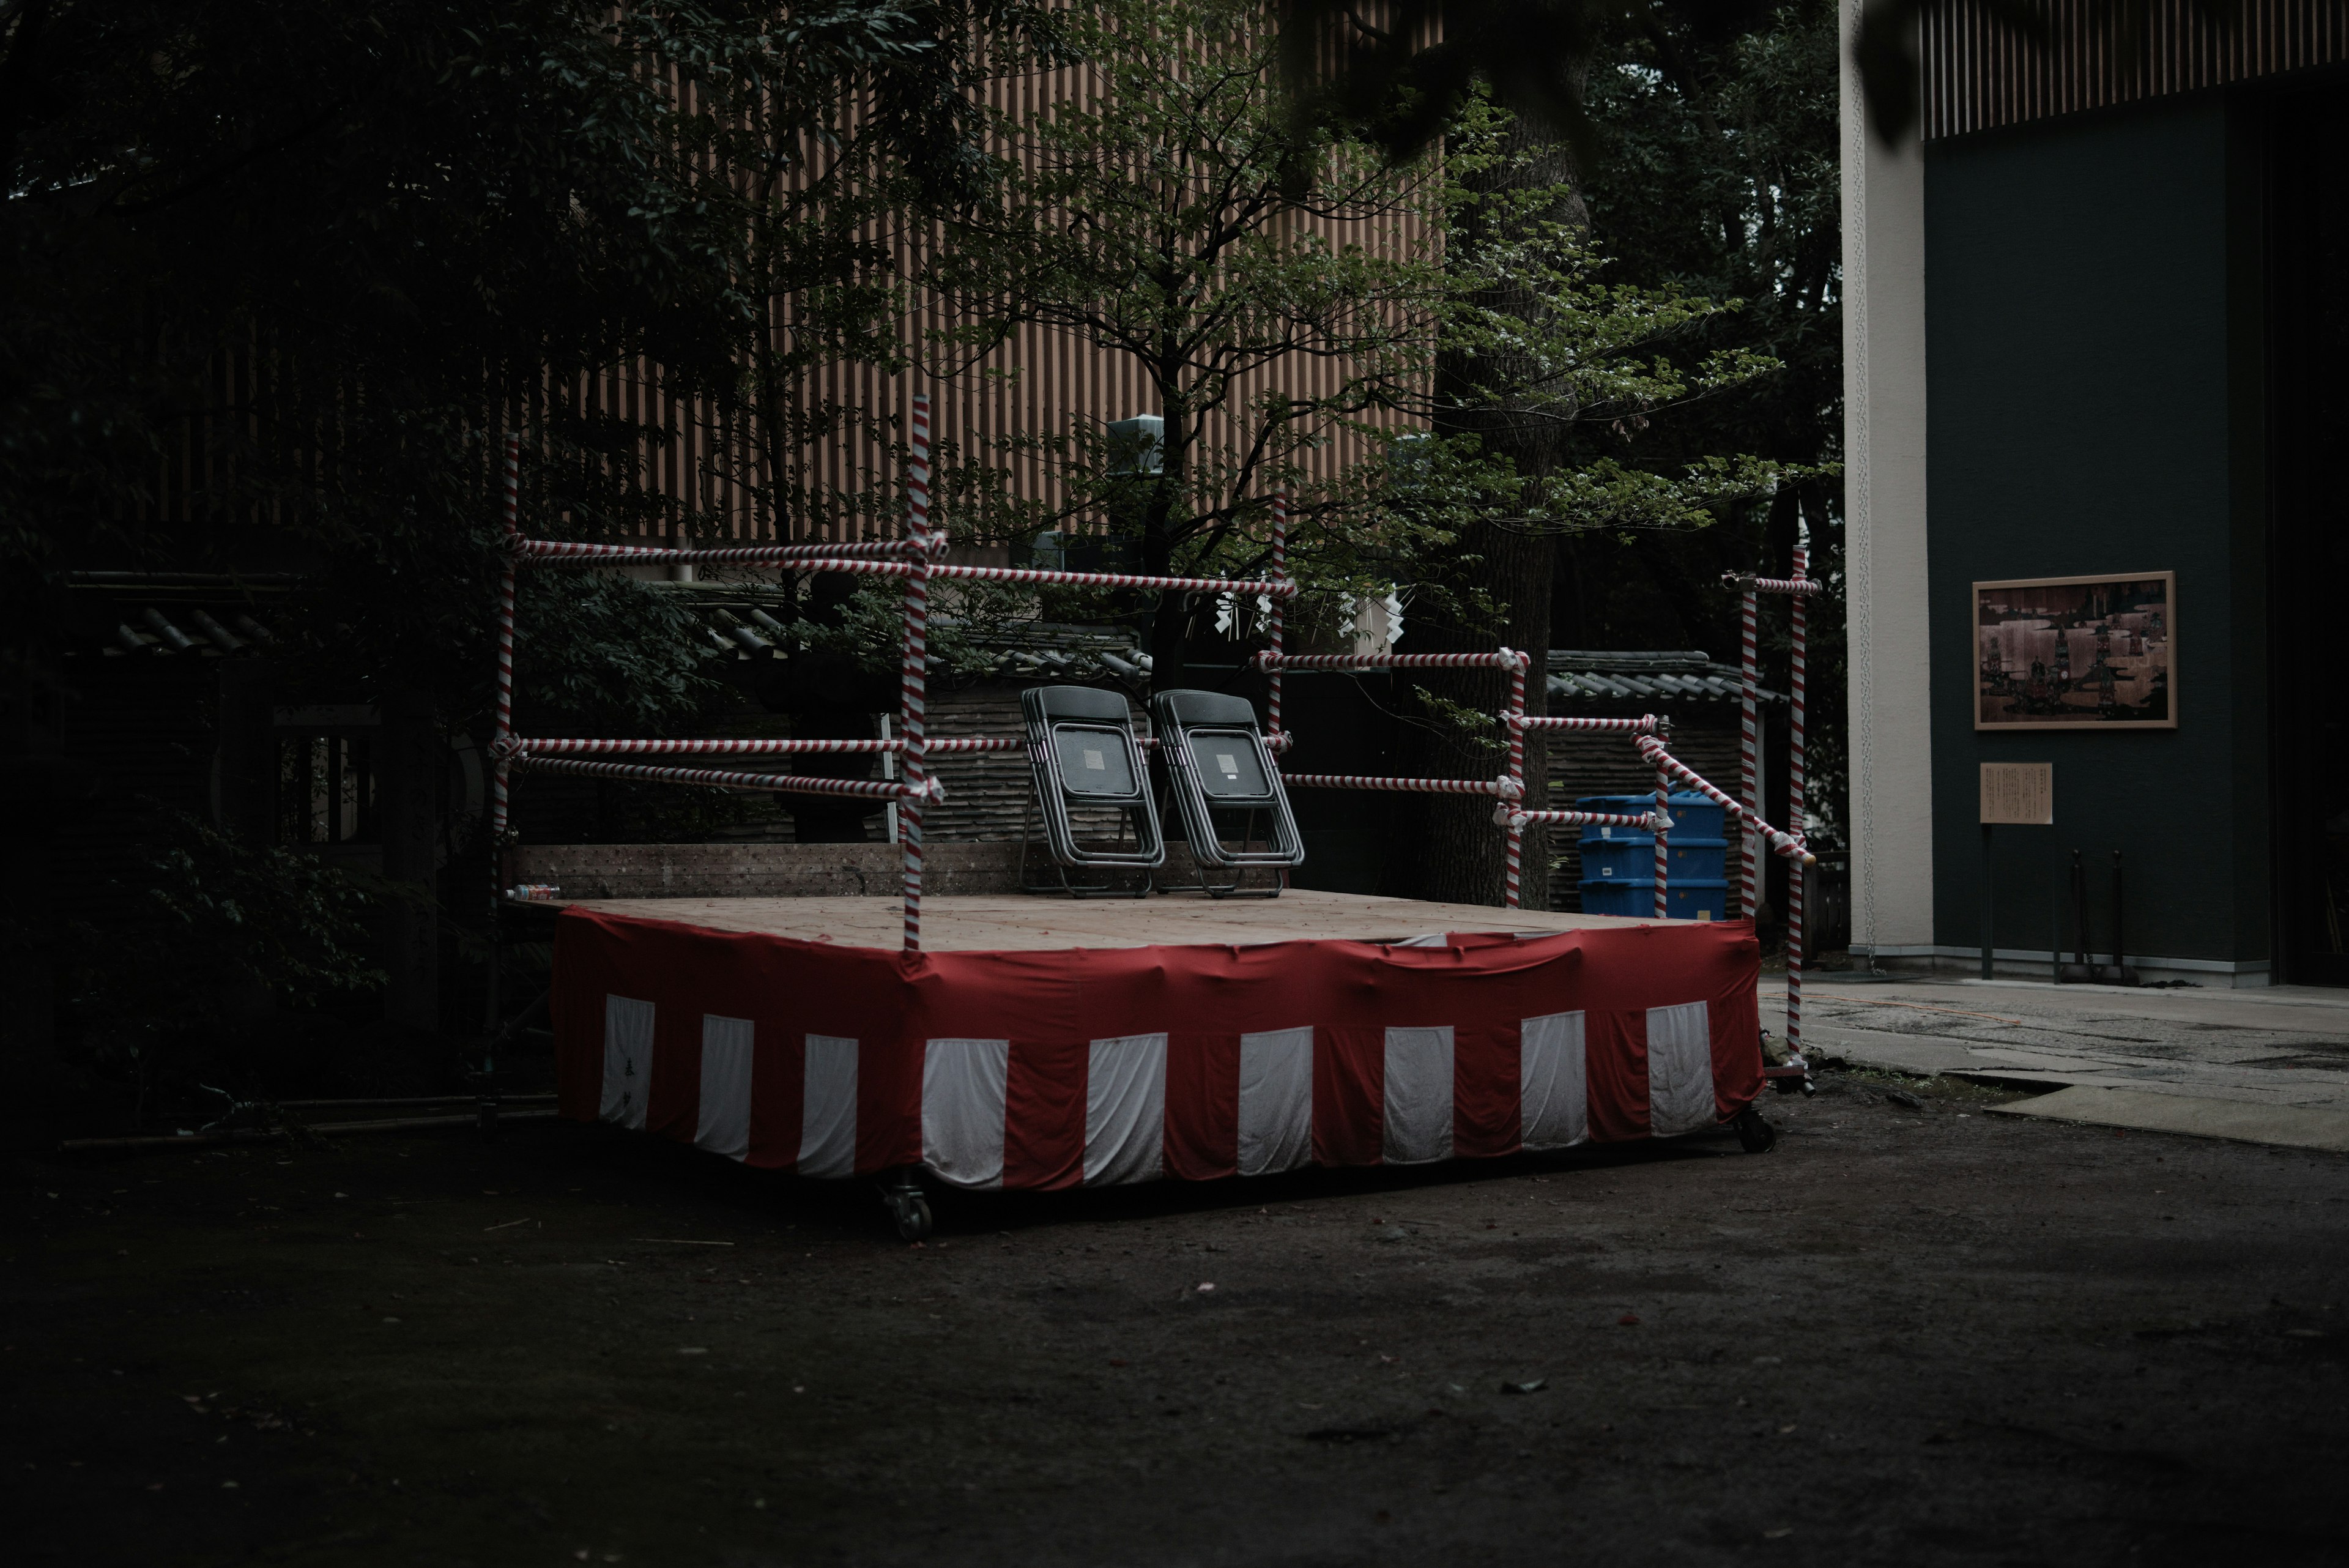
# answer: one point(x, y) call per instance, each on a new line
point(1514, 722)
point(1749, 788)
point(501, 729)
point(501, 764)
point(1990, 925)
point(1280, 739)
point(1797, 871)
point(913, 689)
point(1664, 847)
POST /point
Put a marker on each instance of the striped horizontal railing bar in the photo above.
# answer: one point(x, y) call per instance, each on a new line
point(725, 747)
point(1646, 724)
point(1774, 584)
point(555, 550)
point(1785, 843)
point(1503, 788)
point(733, 555)
point(1262, 588)
point(781, 783)
point(1508, 817)
point(1268, 660)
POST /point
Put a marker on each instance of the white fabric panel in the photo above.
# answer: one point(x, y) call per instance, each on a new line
point(1125, 1110)
point(628, 1060)
point(1554, 1092)
point(1275, 1100)
point(828, 1109)
point(1680, 1069)
point(964, 1086)
point(725, 1125)
point(1417, 1101)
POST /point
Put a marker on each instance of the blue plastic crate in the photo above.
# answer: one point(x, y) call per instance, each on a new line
point(1697, 898)
point(1693, 815)
point(1685, 859)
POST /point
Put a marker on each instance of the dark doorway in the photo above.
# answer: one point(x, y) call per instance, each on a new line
point(2309, 335)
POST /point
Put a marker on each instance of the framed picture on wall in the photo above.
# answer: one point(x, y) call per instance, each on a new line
point(2076, 653)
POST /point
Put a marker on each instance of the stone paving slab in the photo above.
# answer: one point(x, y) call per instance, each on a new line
point(2239, 1121)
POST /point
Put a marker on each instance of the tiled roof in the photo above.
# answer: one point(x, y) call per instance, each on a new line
point(1686, 675)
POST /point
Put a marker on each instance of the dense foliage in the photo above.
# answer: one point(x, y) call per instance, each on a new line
point(341, 250)
point(1721, 176)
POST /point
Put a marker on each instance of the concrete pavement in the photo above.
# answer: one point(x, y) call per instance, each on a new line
point(2268, 1065)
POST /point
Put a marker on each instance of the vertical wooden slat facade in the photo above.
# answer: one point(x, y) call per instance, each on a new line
point(703, 466)
point(1980, 75)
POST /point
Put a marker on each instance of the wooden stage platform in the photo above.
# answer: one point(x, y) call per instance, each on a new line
point(1022, 923)
point(1041, 1042)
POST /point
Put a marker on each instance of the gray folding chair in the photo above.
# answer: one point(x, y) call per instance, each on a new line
point(1220, 768)
point(1084, 759)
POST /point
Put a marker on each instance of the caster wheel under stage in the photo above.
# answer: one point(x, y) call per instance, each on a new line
point(909, 1208)
point(1755, 1134)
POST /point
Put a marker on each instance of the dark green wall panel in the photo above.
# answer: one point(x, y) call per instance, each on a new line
point(2095, 374)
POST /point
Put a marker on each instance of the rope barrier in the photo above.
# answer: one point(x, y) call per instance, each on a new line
point(904, 791)
point(915, 558)
point(1653, 822)
point(561, 550)
point(718, 747)
point(729, 555)
point(1647, 725)
point(1797, 585)
point(1505, 659)
point(1785, 843)
point(1503, 788)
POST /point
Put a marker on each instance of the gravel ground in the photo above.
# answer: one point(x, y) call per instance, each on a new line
point(1915, 1333)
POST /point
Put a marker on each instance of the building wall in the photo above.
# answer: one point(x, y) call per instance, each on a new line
point(2096, 370)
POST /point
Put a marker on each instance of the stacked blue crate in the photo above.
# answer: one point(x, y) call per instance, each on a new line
point(1619, 864)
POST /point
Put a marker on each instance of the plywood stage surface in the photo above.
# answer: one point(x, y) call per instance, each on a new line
point(1001, 922)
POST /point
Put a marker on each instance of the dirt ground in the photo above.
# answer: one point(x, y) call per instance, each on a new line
point(1916, 1334)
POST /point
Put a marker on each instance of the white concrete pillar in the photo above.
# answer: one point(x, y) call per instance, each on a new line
point(1884, 501)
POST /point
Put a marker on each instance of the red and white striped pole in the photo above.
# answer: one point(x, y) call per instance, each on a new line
point(501, 726)
point(914, 693)
point(1514, 721)
point(1749, 785)
point(1800, 610)
point(502, 745)
point(1664, 833)
point(1279, 739)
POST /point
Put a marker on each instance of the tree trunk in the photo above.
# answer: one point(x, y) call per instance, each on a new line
point(1459, 853)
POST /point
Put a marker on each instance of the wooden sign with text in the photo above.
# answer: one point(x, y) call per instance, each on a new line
point(2018, 792)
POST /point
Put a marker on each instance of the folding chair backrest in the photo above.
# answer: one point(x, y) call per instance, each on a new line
point(1218, 761)
point(1083, 755)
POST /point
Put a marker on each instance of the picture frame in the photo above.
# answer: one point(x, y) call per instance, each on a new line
point(2095, 652)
